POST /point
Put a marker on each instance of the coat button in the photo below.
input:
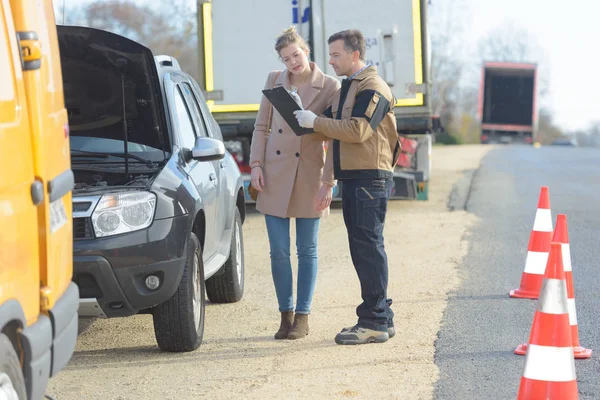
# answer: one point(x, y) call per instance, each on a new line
point(281, 131)
point(278, 152)
point(297, 154)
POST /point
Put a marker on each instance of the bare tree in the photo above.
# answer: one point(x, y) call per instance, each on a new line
point(446, 23)
point(582, 137)
point(454, 92)
point(594, 134)
point(513, 43)
point(165, 28)
point(548, 131)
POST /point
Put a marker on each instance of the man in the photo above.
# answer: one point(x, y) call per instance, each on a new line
point(362, 124)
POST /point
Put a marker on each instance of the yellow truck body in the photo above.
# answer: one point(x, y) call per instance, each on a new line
point(38, 301)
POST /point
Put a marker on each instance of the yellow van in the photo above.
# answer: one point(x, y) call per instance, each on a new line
point(38, 302)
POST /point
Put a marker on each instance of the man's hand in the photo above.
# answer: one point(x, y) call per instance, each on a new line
point(324, 197)
point(306, 119)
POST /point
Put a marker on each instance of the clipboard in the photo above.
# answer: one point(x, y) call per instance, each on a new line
point(286, 105)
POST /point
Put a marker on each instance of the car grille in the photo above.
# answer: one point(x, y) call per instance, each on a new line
point(82, 228)
point(81, 206)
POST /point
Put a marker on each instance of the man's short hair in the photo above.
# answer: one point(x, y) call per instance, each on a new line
point(353, 41)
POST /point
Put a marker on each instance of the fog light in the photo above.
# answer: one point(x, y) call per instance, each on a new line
point(152, 282)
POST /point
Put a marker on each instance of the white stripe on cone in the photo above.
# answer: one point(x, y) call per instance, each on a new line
point(543, 220)
point(550, 364)
point(572, 312)
point(552, 297)
point(535, 262)
point(566, 257)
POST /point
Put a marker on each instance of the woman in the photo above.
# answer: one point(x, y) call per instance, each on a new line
point(293, 179)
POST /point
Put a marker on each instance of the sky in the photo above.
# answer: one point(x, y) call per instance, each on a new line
point(567, 32)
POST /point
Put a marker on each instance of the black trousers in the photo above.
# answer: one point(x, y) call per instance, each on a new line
point(364, 204)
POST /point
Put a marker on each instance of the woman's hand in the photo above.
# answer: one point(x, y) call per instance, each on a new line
point(324, 197)
point(296, 98)
point(257, 179)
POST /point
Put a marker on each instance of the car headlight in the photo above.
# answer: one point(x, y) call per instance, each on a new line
point(123, 212)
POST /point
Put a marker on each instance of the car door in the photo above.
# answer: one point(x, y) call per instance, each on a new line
point(202, 174)
point(204, 130)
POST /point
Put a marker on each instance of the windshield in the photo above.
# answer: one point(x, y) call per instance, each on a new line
point(102, 145)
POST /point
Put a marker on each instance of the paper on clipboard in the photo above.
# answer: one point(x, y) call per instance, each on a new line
point(286, 105)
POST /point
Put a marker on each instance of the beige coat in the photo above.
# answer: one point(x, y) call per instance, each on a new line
point(294, 167)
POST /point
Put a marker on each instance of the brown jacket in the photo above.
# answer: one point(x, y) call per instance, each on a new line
point(363, 125)
point(294, 167)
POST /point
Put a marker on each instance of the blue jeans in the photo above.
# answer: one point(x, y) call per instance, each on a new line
point(364, 204)
point(307, 230)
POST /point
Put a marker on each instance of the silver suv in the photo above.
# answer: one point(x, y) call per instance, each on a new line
point(158, 204)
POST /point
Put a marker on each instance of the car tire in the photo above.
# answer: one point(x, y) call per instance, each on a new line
point(228, 285)
point(179, 322)
point(12, 382)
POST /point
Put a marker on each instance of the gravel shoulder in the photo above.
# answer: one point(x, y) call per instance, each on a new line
point(425, 241)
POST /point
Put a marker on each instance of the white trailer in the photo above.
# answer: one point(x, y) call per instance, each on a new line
point(236, 48)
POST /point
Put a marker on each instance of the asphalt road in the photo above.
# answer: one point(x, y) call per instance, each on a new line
point(482, 325)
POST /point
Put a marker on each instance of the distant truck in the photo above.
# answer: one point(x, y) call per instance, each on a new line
point(507, 108)
point(237, 39)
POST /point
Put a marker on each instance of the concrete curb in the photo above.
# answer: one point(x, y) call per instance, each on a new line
point(461, 191)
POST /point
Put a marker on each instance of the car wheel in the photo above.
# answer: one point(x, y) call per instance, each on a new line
point(179, 322)
point(228, 285)
point(12, 383)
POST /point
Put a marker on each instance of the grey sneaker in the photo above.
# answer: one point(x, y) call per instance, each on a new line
point(360, 335)
point(391, 331)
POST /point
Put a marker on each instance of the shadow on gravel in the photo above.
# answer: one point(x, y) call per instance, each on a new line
point(143, 356)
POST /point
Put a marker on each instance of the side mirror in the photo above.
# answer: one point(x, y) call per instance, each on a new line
point(208, 149)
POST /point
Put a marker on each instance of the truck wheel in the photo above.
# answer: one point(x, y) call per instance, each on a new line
point(179, 322)
point(12, 383)
point(228, 285)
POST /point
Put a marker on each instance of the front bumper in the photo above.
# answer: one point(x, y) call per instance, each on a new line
point(112, 270)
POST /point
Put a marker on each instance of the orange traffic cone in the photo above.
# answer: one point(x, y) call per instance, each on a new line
point(537, 251)
point(561, 235)
point(550, 366)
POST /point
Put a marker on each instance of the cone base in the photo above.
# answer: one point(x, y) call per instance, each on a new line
point(531, 389)
point(523, 294)
point(578, 351)
point(521, 349)
point(582, 352)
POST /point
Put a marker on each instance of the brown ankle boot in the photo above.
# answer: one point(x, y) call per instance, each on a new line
point(287, 321)
point(300, 328)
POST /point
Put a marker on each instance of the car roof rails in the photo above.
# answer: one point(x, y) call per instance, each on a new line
point(167, 61)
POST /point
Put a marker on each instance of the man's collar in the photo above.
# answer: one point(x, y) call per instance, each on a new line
point(363, 73)
point(359, 71)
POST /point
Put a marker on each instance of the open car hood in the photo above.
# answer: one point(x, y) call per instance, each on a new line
point(112, 88)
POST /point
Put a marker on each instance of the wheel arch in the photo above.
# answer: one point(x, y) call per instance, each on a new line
point(12, 319)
